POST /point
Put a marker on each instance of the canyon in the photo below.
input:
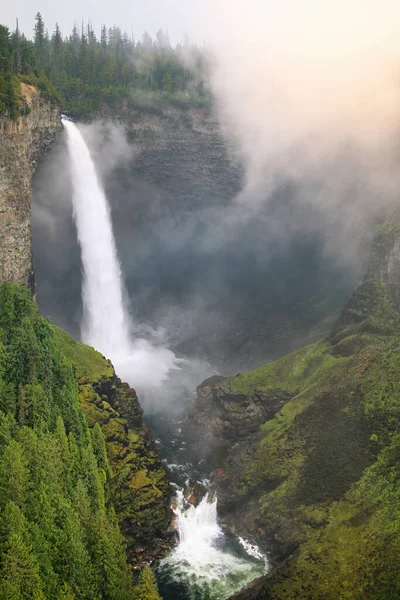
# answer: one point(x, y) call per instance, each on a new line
point(301, 447)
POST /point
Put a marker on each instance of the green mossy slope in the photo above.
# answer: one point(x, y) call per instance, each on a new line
point(292, 373)
point(324, 481)
point(90, 366)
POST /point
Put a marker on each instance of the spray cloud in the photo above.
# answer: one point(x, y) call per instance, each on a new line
point(310, 92)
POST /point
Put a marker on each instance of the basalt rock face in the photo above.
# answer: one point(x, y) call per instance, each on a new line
point(232, 416)
point(180, 158)
point(23, 143)
point(316, 484)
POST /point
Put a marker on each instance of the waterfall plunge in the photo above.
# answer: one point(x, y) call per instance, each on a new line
point(106, 324)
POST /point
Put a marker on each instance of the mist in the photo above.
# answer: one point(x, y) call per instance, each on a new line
point(309, 92)
point(221, 291)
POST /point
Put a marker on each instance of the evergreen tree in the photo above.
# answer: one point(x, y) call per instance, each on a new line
point(5, 56)
point(146, 587)
point(19, 570)
point(99, 449)
point(14, 475)
point(40, 41)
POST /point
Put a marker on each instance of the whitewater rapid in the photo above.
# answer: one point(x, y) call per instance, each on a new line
point(106, 323)
point(204, 563)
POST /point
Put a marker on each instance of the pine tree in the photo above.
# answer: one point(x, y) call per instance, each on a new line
point(5, 56)
point(99, 449)
point(146, 587)
point(18, 564)
point(56, 44)
point(17, 50)
point(14, 475)
point(40, 40)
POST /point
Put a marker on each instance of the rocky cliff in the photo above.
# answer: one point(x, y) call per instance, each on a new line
point(305, 449)
point(23, 143)
point(181, 160)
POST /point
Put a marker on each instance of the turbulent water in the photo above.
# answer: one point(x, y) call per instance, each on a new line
point(207, 564)
point(106, 323)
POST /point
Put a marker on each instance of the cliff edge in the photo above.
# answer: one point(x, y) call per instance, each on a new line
point(23, 142)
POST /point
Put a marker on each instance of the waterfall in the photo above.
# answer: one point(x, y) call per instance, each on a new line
point(198, 529)
point(106, 323)
point(206, 564)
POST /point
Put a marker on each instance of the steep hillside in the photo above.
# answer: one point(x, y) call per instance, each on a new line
point(68, 484)
point(138, 487)
point(308, 449)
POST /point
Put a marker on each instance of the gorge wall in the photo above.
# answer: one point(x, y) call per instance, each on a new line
point(305, 449)
point(22, 145)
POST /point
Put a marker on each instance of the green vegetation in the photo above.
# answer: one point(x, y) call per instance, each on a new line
point(146, 588)
point(59, 530)
point(89, 364)
point(324, 480)
point(291, 373)
point(83, 73)
point(138, 486)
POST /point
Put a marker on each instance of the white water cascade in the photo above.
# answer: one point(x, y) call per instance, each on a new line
point(203, 562)
point(106, 323)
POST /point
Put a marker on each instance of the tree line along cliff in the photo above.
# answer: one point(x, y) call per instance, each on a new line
point(82, 72)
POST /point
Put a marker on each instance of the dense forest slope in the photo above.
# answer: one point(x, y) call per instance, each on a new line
point(308, 449)
point(68, 483)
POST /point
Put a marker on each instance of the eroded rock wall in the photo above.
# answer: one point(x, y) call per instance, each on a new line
point(22, 144)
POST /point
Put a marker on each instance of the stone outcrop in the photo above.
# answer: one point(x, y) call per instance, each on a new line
point(22, 144)
point(180, 160)
point(233, 416)
point(139, 487)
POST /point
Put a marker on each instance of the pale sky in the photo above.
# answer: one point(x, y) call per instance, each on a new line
point(177, 16)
